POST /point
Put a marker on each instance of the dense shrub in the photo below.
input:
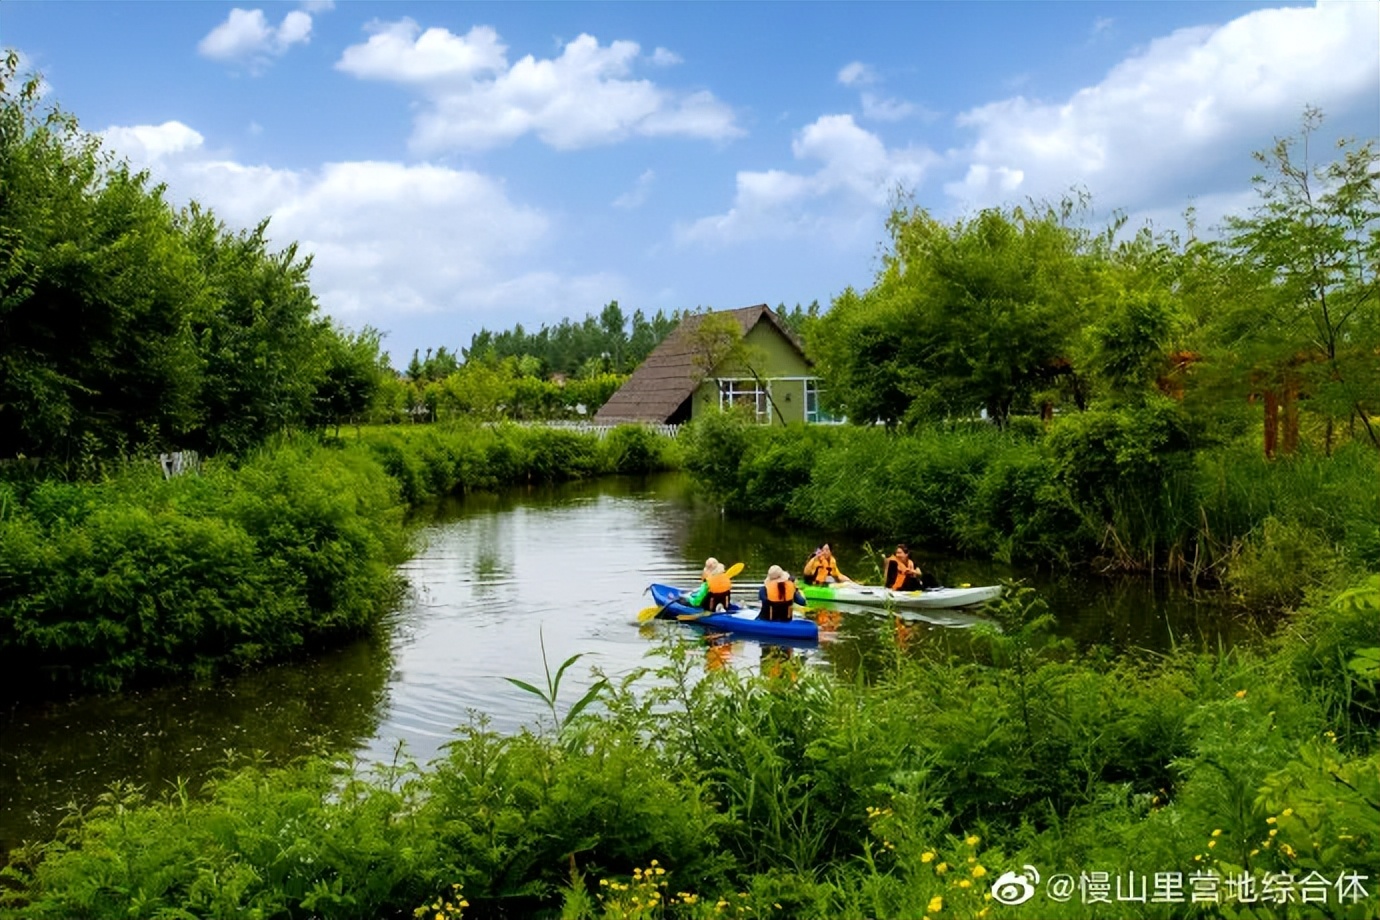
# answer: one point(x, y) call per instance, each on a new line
point(138, 577)
point(636, 449)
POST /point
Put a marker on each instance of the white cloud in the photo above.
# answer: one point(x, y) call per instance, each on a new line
point(879, 109)
point(1186, 105)
point(586, 97)
point(146, 144)
point(856, 179)
point(875, 106)
point(247, 37)
point(857, 74)
point(386, 238)
point(663, 57)
point(402, 53)
point(638, 195)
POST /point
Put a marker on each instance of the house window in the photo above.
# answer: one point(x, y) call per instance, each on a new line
point(738, 392)
point(813, 413)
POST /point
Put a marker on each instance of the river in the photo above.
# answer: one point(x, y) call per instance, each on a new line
point(497, 577)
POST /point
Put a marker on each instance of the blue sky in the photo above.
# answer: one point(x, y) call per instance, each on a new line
point(452, 166)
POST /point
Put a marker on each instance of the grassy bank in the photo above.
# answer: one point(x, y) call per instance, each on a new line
point(135, 578)
point(794, 794)
point(1128, 490)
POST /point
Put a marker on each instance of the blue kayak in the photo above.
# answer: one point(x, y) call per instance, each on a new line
point(740, 620)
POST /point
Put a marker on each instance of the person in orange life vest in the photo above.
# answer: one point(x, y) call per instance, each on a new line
point(777, 594)
point(902, 574)
point(823, 569)
point(718, 586)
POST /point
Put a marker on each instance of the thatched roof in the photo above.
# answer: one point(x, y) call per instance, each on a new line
point(669, 376)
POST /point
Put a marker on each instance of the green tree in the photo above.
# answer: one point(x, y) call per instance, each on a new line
point(96, 291)
point(977, 315)
point(353, 376)
point(261, 338)
point(1310, 325)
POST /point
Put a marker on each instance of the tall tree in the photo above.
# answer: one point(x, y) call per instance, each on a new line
point(971, 316)
point(1311, 325)
point(96, 287)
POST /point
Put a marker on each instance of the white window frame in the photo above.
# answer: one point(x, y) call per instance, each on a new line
point(737, 390)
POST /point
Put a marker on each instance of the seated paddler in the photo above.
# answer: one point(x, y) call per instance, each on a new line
point(902, 574)
point(823, 569)
point(718, 586)
point(777, 594)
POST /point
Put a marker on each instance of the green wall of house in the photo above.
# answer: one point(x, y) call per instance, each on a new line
point(777, 362)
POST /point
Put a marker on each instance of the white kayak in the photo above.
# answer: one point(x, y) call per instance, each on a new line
point(928, 599)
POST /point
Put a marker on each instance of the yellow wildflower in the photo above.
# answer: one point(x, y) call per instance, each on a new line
point(979, 871)
point(1217, 833)
point(936, 904)
point(1287, 812)
point(973, 840)
point(1211, 844)
point(964, 883)
point(942, 868)
point(927, 856)
point(1241, 694)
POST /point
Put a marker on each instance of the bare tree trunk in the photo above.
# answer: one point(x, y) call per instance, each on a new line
point(1271, 423)
point(1365, 420)
point(1291, 415)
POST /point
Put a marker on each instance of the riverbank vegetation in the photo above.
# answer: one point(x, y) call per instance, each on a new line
point(137, 577)
point(1136, 494)
point(1239, 779)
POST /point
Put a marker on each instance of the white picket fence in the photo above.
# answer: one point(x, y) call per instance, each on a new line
point(179, 462)
point(601, 431)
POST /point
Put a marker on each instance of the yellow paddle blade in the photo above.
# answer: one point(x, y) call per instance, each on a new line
point(734, 570)
point(648, 613)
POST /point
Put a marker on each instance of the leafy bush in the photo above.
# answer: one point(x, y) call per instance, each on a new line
point(1020, 511)
point(138, 578)
point(635, 449)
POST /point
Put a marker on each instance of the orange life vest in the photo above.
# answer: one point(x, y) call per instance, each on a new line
point(779, 591)
point(900, 578)
point(719, 584)
point(819, 570)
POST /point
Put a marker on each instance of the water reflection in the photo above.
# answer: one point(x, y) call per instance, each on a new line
point(69, 752)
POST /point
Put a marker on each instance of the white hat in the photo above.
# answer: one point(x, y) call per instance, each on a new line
point(776, 573)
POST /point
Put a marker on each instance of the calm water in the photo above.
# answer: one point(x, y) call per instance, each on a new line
point(495, 578)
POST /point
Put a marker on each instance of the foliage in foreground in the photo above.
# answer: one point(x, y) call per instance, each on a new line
point(918, 792)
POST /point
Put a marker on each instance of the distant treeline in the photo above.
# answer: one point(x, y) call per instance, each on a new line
point(609, 343)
